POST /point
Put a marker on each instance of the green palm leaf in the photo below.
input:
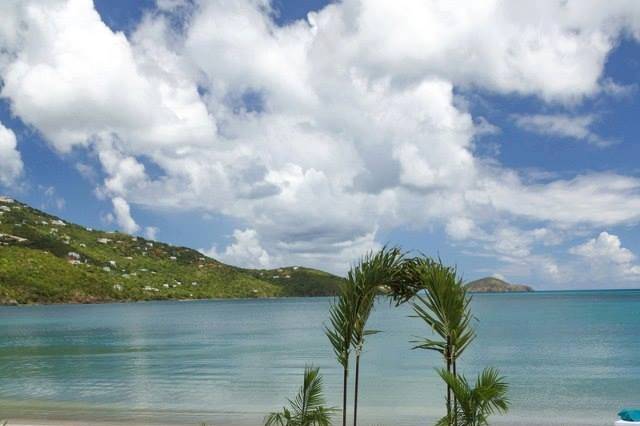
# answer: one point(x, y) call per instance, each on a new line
point(307, 408)
point(341, 330)
point(444, 307)
point(475, 404)
point(350, 312)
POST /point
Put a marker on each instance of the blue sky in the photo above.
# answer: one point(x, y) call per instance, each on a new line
point(265, 135)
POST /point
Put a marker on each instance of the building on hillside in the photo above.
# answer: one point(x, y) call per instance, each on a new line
point(7, 238)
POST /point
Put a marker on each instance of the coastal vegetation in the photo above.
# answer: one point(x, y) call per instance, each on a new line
point(307, 408)
point(340, 334)
point(444, 308)
point(440, 299)
point(44, 259)
point(374, 271)
point(475, 404)
point(348, 315)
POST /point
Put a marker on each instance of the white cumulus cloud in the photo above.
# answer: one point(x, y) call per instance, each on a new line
point(607, 260)
point(122, 215)
point(151, 232)
point(319, 134)
point(605, 247)
point(245, 250)
point(11, 166)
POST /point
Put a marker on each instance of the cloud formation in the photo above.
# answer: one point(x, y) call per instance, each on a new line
point(320, 133)
point(563, 125)
point(122, 215)
point(11, 166)
point(244, 250)
point(607, 259)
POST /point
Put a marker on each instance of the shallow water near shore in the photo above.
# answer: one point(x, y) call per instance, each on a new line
point(571, 358)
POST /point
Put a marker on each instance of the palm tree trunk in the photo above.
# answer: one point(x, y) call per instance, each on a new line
point(455, 401)
point(344, 395)
point(355, 399)
point(448, 356)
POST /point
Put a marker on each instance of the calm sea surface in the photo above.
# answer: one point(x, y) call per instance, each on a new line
point(572, 358)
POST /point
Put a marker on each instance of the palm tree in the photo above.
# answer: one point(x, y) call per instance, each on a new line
point(474, 405)
point(366, 278)
point(307, 409)
point(444, 307)
point(350, 312)
point(340, 335)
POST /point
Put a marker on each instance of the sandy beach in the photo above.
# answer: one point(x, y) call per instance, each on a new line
point(32, 422)
point(53, 422)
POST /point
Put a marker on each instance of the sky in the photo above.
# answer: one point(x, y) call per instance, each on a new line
point(500, 136)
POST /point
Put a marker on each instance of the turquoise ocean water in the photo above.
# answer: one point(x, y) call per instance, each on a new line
point(572, 358)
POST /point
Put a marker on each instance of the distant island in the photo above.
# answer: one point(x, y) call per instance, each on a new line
point(495, 285)
point(44, 259)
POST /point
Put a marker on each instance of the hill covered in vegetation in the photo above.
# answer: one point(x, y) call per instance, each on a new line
point(495, 285)
point(44, 259)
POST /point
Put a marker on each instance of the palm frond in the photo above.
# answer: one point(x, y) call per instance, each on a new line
point(307, 408)
point(406, 284)
point(310, 395)
point(492, 388)
point(341, 329)
point(443, 305)
point(475, 404)
point(374, 271)
point(430, 345)
point(278, 419)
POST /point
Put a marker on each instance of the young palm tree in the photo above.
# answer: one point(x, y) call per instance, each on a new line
point(475, 405)
point(373, 272)
point(340, 334)
point(350, 312)
point(307, 409)
point(364, 299)
point(444, 307)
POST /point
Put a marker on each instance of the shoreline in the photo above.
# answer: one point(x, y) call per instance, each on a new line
point(47, 422)
point(498, 421)
point(221, 299)
point(123, 302)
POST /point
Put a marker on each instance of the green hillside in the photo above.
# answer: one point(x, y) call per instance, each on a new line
point(495, 285)
point(44, 259)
